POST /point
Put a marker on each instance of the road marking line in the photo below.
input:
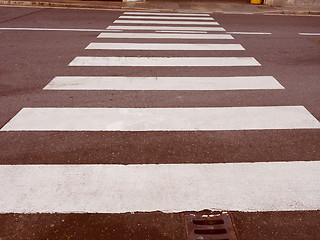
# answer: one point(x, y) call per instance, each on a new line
point(309, 34)
point(165, 61)
point(153, 28)
point(110, 188)
point(180, 32)
point(162, 119)
point(165, 36)
point(166, 14)
point(169, 18)
point(59, 29)
point(250, 33)
point(112, 30)
point(165, 46)
point(164, 22)
point(163, 83)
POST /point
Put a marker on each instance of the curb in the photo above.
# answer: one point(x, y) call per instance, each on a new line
point(110, 7)
point(83, 6)
point(63, 5)
point(290, 12)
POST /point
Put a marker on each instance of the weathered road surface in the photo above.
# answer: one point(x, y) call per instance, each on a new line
point(110, 118)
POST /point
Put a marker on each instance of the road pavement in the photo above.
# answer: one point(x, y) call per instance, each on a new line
point(119, 119)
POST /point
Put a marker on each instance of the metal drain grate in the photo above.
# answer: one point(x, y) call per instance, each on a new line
point(216, 226)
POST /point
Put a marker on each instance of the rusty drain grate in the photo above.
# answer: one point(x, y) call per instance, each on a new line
point(216, 226)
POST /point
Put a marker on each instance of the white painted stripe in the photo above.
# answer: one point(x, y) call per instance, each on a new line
point(250, 33)
point(165, 36)
point(309, 34)
point(153, 28)
point(58, 29)
point(165, 22)
point(166, 14)
point(181, 32)
point(168, 18)
point(163, 83)
point(164, 46)
point(303, 15)
point(164, 61)
point(113, 30)
point(108, 188)
point(162, 119)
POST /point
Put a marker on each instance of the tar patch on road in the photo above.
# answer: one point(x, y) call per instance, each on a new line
point(217, 226)
point(315, 41)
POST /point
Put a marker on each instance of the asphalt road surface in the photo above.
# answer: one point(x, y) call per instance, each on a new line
point(114, 125)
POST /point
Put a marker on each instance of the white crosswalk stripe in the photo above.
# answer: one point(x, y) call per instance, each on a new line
point(165, 46)
point(167, 14)
point(165, 36)
point(152, 28)
point(110, 188)
point(165, 61)
point(163, 83)
point(167, 18)
point(162, 119)
point(165, 22)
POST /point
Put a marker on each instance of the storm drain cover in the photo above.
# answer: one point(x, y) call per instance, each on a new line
point(216, 226)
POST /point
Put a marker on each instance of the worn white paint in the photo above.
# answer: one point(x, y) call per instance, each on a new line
point(166, 35)
point(250, 33)
point(259, 186)
point(153, 28)
point(309, 34)
point(166, 14)
point(113, 30)
point(180, 32)
point(167, 18)
point(59, 29)
point(165, 46)
point(165, 22)
point(165, 61)
point(163, 83)
point(162, 119)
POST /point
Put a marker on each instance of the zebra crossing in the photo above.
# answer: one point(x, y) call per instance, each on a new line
point(152, 187)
